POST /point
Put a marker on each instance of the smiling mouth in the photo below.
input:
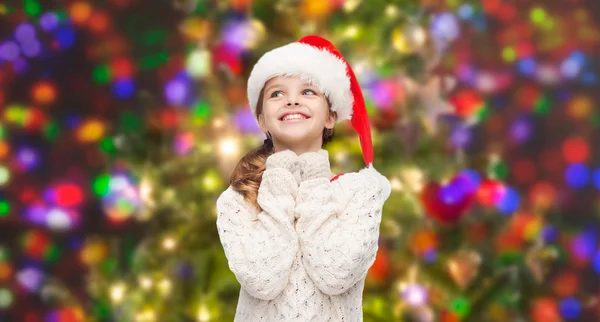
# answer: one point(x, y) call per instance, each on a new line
point(294, 118)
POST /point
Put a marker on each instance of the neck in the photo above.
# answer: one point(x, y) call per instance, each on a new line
point(298, 149)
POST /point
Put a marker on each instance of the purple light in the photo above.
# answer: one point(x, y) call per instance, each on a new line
point(520, 130)
point(473, 177)
point(235, 34)
point(9, 51)
point(549, 234)
point(49, 21)
point(461, 137)
point(36, 214)
point(466, 73)
point(31, 48)
point(28, 158)
point(430, 255)
point(30, 278)
point(456, 190)
point(20, 65)
point(239, 35)
point(245, 121)
point(583, 245)
point(382, 94)
point(444, 29)
point(176, 91)
point(25, 32)
point(415, 295)
point(184, 142)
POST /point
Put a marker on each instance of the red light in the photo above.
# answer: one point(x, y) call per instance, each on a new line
point(575, 149)
point(68, 195)
point(121, 68)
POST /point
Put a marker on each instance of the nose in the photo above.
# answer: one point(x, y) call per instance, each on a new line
point(290, 104)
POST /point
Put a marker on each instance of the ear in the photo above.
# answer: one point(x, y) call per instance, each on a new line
point(330, 120)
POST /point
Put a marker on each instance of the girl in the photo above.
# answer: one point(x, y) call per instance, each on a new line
point(299, 239)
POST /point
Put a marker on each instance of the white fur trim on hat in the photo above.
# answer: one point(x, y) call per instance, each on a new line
point(319, 67)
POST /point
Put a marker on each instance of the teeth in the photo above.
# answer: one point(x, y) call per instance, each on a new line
point(294, 117)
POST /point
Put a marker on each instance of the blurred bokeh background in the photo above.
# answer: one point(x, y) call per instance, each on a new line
point(121, 121)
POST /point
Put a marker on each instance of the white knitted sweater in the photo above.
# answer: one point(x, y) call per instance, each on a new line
point(305, 256)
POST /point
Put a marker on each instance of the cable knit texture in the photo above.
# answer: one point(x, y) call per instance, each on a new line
point(305, 256)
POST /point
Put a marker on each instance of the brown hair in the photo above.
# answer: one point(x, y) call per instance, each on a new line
point(247, 175)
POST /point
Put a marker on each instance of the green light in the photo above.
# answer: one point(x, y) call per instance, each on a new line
point(499, 170)
point(130, 122)
point(595, 120)
point(61, 15)
point(107, 145)
point(109, 265)
point(542, 105)
point(51, 131)
point(509, 54)
point(101, 74)
point(4, 255)
point(4, 208)
point(32, 7)
point(101, 309)
point(201, 111)
point(2, 132)
point(52, 253)
point(153, 61)
point(460, 306)
point(537, 15)
point(155, 37)
point(483, 113)
point(101, 185)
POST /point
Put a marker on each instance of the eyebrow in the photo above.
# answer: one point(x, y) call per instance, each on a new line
point(271, 87)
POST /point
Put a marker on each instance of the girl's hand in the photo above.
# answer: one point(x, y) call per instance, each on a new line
point(286, 159)
point(314, 165)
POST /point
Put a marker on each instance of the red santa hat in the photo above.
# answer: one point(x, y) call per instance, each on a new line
point(319, 62)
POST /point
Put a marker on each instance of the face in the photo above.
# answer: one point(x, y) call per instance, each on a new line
point(295, 113)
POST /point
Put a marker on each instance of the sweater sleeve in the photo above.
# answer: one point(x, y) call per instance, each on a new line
point(339, 234)
point(260, 246)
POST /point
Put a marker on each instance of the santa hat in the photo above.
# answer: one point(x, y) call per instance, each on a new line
point(319, 62)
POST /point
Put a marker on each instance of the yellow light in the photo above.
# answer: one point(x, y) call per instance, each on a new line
point(198, 63)
point(165, 285)
point(351, 31)
point(396, 184)
point(91, 131)
point(218, 123)
point(146, 315)
point(4, 175)
point(351, 5)
point(203, 314)
point(391, 11)
point(169, 243)
point(146, 192)
point(413, 177)
point(117, 292)
point(228, 147)
point(145, 282)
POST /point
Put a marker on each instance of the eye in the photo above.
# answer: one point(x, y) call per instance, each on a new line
point(276, 93)
point(310, 91)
